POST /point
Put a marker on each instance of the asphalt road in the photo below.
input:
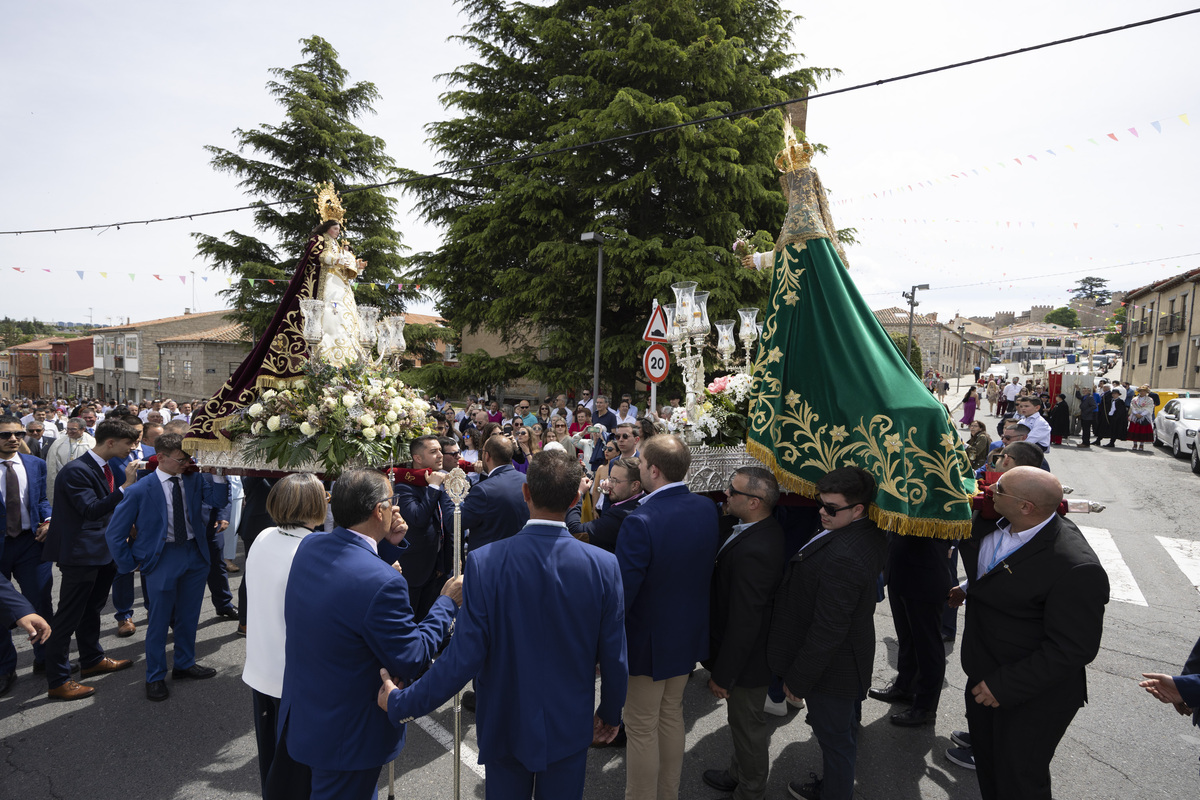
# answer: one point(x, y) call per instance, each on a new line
point(117, 745)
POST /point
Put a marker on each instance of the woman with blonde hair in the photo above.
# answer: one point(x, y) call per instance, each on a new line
point(297, 503)
point(993, 395)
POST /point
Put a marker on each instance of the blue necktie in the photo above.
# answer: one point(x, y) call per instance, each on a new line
point(179, 523)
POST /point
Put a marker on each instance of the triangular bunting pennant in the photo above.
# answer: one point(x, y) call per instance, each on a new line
point(1185, 119)
point(104, 275)
point(184, 279)
point(132, 277)
point(1112, 136)
point(156, 277)
point(79, 272)
point(1157, 126)
point(1133, 131)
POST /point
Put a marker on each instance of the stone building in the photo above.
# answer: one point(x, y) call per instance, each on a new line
point(29, 369)
point(943, 349)
point(1162, 345)
point(196, 365)
point(125, 358)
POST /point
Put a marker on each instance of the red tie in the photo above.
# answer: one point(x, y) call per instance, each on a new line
point(108, 477)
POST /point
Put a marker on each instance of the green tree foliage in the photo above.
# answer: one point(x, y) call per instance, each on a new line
point(1064, 316)
point(317, 141)
point(914, 359)
point(1094, 289)
point(669, 205)
point(1116, 327)
point(19, 331)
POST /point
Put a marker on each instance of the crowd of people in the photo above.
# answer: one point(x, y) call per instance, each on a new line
point(349, 596)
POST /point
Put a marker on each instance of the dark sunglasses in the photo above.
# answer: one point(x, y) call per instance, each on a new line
point(35, 430)
point(623, 436)
point(11, 434)
point(833, 511)
point(732, 491)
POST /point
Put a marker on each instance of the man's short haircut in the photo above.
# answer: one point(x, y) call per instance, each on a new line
point(421, 443)
point(1010, 423)
point(168, 443)
point(1024, 430)
point(115, 429)
point(1025, 454)
point(553, 479)
point(78, 422)
point(670, 455)
point(355, 495)
point(174, 426)
point(631, 465)
point(856, 485)
point(632, 428)
point(603, 397)
point(297, 500)
point(761, 481)
point(447, 441)
point(132, 419)
point(11, 419)
point(501, 451)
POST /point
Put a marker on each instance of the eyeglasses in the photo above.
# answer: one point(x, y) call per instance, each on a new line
point(11, 434)
point(624, 436)
point(183, 460)
point(621, 480)
point(732, 491)
point(833, 511)
point(35, 430)
point(560, 424)
point(998, 491)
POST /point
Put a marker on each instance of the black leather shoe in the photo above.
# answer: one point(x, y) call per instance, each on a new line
point(157, 691)
point(195, 671)
point(7, 681)
point(719, 779)
point(890, 694)
point(468, 701)
point(230, 612)
point(914, 717)
point(1110, 444)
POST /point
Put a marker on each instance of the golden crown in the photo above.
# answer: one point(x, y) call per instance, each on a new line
point(795, 154)
point(329, 205)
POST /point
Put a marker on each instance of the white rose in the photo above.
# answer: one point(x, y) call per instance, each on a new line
point(256, 428)
point(348, 400)
point(268, 394)
point(255, 410)
point(306, 429)
point(390, 416)
point(374, 391)
point(366, 420)
point(273, 423)
point(369, 433)
point(312, 411)
point(391, 391)
point(331, 403)
point(299, 384)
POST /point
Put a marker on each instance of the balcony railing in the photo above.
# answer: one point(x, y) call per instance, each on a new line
point(1175, 322)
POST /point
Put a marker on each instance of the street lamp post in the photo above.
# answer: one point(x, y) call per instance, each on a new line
point(598, 238)
point(911, 297)
point(958, 362)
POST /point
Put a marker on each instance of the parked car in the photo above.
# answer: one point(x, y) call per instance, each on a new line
point(1176, 425)
point(997, 371)
point(995, 359)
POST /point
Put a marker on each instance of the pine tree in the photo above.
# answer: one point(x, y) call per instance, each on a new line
point(317, 142)
point(669, 205)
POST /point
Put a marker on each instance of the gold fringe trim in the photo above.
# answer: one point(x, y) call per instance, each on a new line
point(887, 520)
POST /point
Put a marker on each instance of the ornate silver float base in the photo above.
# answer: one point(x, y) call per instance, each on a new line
point(241, 461)
point(712, 466)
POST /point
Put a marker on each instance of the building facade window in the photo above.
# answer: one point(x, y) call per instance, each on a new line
point(170, 369)
point(1143, 353)
point(1173, 356)
point(187, 370)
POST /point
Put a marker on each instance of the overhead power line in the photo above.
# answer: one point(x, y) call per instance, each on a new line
point(635, 135)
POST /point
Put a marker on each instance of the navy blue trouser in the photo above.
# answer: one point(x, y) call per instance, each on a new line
point(21, 561)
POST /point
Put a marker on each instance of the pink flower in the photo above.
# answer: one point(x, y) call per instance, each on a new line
point(719, 385)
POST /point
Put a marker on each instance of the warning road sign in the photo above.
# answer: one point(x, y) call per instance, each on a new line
point(656, 328)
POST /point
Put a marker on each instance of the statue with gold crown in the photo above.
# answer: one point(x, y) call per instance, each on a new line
point(831, 389)
point(318, 389)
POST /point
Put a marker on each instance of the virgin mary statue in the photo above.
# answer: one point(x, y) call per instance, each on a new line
point(831, 389)
point(325, 272)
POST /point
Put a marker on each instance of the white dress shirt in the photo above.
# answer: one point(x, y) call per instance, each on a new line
point(660, 489)
point(169, 491)
point(1039, 430)
point(270, 562)
point(1003, 542)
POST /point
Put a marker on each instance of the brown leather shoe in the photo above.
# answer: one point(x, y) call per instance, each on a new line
point(71, 691)
point(126, 628)
point(104, 665)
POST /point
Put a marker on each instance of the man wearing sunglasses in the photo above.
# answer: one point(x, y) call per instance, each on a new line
point(23, 492)
point(822, 638)
point(173, 553)
point(1035, 613)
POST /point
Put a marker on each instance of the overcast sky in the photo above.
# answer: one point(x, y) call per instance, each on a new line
point(108, 109)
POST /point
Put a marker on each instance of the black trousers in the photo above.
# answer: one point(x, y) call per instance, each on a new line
point(921, 660)
point(218, 577)
point(1086, 426)
point(1013, 747)
point(82, 596)
point(286, 779)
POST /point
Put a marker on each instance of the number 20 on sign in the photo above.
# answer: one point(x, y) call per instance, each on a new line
point(656, 362)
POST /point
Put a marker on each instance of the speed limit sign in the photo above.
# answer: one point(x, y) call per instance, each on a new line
point(656, 362)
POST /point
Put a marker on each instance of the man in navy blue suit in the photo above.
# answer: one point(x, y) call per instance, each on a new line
point(666, 549)
point(347, 612)
point(26, 509)
point(172, 551)
point(495, 507)
point(122, 588)
point(86, 492)
point(424, 562)
point(534, 673)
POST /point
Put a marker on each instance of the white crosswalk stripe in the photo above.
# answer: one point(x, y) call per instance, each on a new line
point(1186, 554)
point(1121, 583)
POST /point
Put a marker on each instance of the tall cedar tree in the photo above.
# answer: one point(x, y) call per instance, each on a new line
point(317, 142)
point(668, 205)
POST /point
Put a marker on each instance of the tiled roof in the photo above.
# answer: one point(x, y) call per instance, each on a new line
point(234, 332)
point(85, 373)
point(899, 316)
point(135, 325)
point(1159, 285)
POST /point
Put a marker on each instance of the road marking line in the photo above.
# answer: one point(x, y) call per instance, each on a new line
point(1187, 556)
point(446, 739)
point(1121, 584)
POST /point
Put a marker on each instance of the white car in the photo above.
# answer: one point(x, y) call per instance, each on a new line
point(1000, 373)
point(1176, 425)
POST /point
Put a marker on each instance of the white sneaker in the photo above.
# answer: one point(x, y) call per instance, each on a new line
point(795, 703)
point(779, 709)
